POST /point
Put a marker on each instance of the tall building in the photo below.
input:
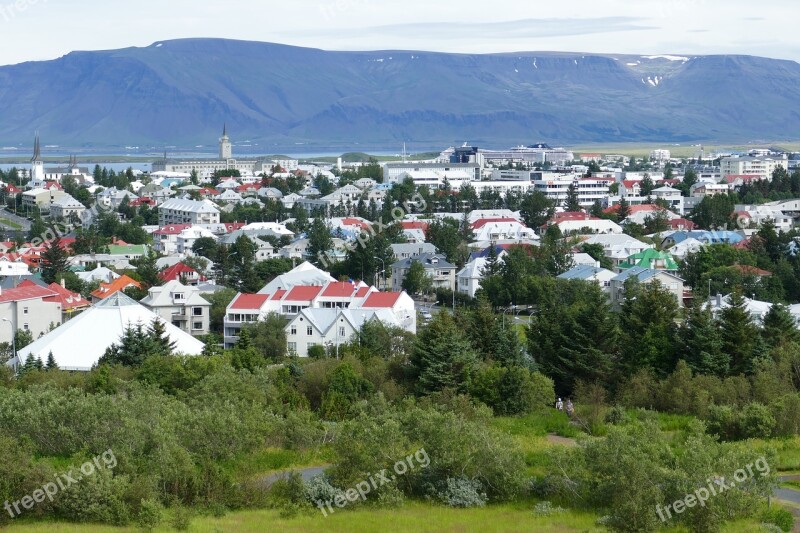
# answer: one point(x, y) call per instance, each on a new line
point(37, 165)
point(225, 146)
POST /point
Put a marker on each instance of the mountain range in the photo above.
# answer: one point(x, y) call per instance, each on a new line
point(181, 92)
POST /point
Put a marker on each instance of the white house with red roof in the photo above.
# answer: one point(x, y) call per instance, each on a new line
point(308, 289)
point(496, 229)
point(183, 273)
point(165, 238)
point(30, 308)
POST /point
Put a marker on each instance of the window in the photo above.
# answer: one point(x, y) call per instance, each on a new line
point(24, 310)
point(197, 325)
point(292, 347)
point(309, 331)
point(341, 332)
point(293, 331)
point(177, 296)
point(26, 327)
point(197, 311)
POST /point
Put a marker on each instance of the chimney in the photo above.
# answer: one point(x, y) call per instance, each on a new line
point(719, 300)
point(63, 283)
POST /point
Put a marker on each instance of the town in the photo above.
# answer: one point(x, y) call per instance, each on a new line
point(568, 294)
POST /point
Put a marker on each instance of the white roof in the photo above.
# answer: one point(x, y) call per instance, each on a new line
point(162, 296)
point(191, 206)
point(473, 269)
point(79, 343)
point(305, 274)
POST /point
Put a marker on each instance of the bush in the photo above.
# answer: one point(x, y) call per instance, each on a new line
point(149, 514)
point(462, 492)
point(316, 352)
point(779, 517)
point(320, 489)
point(617, 415)
point(97, 498)
point(756, 421)
point(546, 509)
point(181, 518)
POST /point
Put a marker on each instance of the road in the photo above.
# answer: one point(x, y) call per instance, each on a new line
point(22, 221)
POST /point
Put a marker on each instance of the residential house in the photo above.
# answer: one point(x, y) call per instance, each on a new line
point(650, 259)
point(41, 199)
point(442, 273)
point(405, 250)
point(29, 307)
point(183, 273)
point(181, 305)
point(176, 211)
point(113, 197)
point(669, 281)
point(118, 285)
point(590, 273)
point(66, 208)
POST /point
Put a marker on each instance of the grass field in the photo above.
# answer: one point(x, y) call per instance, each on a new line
point(9, 223)
point(412, 517)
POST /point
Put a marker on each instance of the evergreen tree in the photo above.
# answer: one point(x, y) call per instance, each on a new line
point(738, 334)
point(161, 341)
point(700, 342)
point(623, 210)
point(536, 209)
point(571, 202)
point(647, 321)
point(54, 260)
point(647, 186)
point(320, 242)
point(492, 265)
point(443, 357)
point(597, 209)
point(243, 258)
point(51, 362)
point(135, 345)
point(779, 326)
point(147, 269)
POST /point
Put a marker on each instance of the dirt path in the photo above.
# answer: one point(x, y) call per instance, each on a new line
point(561, 441)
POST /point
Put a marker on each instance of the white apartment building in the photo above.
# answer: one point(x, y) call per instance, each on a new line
point(660, 155)
point(177, 211)
point(589, 189)
point(66, 208)
point(29, 308)
point(760, 166)
point(394, 172)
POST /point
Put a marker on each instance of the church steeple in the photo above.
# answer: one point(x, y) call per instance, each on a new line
point(225, 146)
point(37, 150)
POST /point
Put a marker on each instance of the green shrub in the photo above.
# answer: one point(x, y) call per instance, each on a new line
point(149, 514)
point(462, 492)
point(779, 517)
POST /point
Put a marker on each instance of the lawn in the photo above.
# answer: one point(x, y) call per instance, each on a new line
point(412, 517)
point(9, 223)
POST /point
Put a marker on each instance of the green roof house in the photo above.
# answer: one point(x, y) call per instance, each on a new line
point(652, 259)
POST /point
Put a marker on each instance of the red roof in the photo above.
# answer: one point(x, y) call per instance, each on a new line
point(248, 186)
point(303, 293)
point(630, 183)
point(119, 284)
point(230, 227)
point(249, 301)
point(644, 208)
point(175, 272)
point(172, 229)
point(752, 271)
point(280, 293)
point(12, 188)
point(138, 202)
point(67, 298)
point(382, 299)
point(571, 215)
point(414, 224)
point(682, 223)
point(482, 222)
point(743, 177)
point(355, 222)
point(207, 191)
point(362, 292)
point(52, 185)
point(339, 289)
point(25, 292)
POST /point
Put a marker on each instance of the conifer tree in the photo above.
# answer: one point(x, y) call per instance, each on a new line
point(51, 362)
point(738, 334)
point(701, 343)
point(780, 326)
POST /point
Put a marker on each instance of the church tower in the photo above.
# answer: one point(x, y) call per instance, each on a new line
point(37, 165)
point(225, 147)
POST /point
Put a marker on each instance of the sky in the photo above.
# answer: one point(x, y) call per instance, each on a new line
point(32, 30)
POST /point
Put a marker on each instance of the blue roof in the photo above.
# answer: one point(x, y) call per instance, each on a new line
point(711, 237)
point(642, 274)
point(581, 272)
point(485, 252)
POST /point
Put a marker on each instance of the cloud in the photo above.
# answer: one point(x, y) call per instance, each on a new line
point(510, 30)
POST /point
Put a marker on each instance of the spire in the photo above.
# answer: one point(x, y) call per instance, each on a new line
point(37, 150)
point(225, 129)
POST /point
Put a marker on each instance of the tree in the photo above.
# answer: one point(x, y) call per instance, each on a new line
point(242, 255)
point(779, 326)
point(738, 334)
point(135, 345)
point(647, 186)
point(536, 209)
point(54, 260)
point(571, 203)
point(147, 269)
point(623, 210)
point(446, 235)
point(320, 242)
point(162, 343)
point(647, 322)
point(443, 357)
point(205, 247)
point(700, 342)
point(268, 336)
point(417, 280)
point(51, 362)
